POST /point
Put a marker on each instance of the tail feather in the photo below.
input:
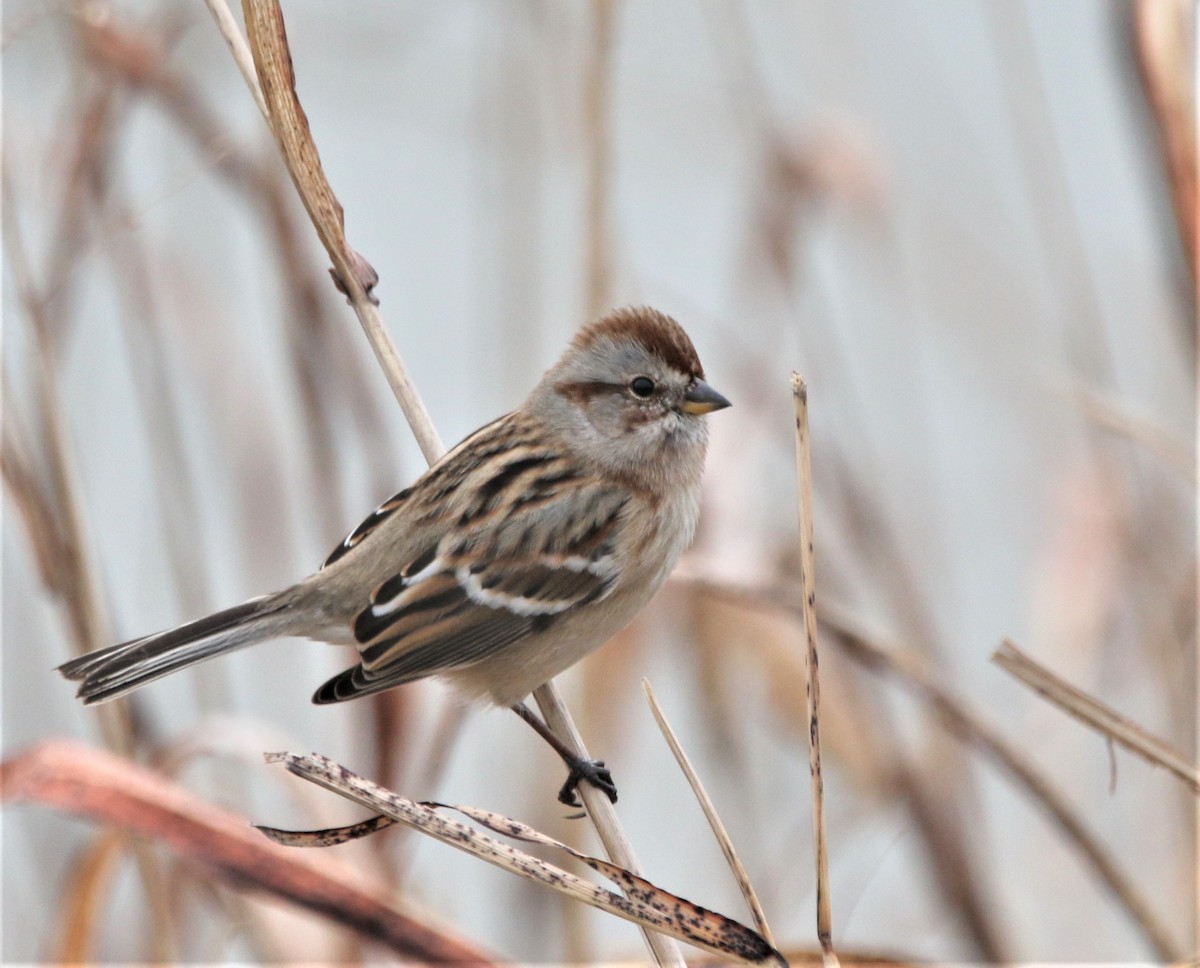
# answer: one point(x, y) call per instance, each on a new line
point(112, 672)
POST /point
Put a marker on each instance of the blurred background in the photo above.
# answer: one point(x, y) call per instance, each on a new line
point(965, 224)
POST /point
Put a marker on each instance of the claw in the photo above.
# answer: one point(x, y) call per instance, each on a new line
point(595, 773)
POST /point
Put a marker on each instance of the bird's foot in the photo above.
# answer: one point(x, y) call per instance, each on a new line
point(595, 773)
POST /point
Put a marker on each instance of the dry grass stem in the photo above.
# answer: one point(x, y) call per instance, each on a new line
point(813, 687)
point(1095, 714)
point(78, 584)
point(714, 819)
point(643, 903)
point(240, 50)
point(85, 895)
point(59, 505)
point(894, 660)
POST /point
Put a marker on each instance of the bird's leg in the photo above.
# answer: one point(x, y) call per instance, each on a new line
point(593, 771)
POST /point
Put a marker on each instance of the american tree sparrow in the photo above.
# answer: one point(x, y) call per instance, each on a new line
point(523, 549)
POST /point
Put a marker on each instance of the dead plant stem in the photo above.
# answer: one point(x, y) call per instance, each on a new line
point(812, 690)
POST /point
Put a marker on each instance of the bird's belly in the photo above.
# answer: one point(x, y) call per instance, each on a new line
point(514, 672)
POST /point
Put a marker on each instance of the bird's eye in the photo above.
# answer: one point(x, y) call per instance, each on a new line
point(642, 386)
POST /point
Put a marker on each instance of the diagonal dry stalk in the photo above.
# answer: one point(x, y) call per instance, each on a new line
point(808, 609)
point(642, 903)
point(267, 41)
point(710, 813)
point(1177, 454)
point(1091, 711)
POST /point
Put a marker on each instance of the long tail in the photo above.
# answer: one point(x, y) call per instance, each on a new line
point(112, 672)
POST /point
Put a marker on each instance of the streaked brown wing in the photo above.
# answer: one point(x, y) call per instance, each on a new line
point(453, 606)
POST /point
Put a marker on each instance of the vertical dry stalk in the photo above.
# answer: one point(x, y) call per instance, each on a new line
point(813, 689)
point(58, 500)
point(57, 494)
point(902, 663)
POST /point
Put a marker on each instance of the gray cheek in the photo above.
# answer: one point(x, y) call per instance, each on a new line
point(606, 418)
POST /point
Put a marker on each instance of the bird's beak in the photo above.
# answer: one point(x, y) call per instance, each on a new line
point(701, 398)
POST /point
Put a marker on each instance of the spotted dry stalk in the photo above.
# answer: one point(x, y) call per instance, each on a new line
point(812, 688)
point(646, 905)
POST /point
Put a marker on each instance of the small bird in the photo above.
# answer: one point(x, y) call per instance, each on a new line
point(524, 548)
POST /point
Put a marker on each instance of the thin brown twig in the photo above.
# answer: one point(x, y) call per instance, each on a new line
point(812, 690)
point(1092, 712)
point(714, 819)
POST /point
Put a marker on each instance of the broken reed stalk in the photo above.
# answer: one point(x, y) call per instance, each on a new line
point(1092, 712)
point(714, 819)
point(267, 40)
point(812, 689)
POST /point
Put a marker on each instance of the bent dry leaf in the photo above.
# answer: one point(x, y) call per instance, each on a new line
point(643, 903)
